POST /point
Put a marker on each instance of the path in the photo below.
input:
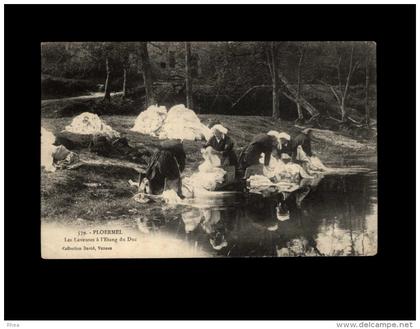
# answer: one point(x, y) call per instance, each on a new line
point(90, 96)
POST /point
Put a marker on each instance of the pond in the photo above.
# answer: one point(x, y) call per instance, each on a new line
point(335, 217)
point(338, 217)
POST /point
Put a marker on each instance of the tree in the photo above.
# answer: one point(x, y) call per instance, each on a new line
point(299, 78)
point(341, 92)
point(124, 88)
point(125, 50)
point(147, 74)
point(299, 50)
point(107, 91)
point(285, 87)
point(272, 61)
point(367, 82)
point(107, 53)
point(188, 77)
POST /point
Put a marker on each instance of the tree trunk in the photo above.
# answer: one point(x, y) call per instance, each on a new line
point(147, 74)
point(367, 82)
point(188, 78)
point(346, 88)
point(124, 88)
point(298, 105)
point(293, 96)
point(107, 95)
point(291, 91)
point(274, 67)
point(343, 110)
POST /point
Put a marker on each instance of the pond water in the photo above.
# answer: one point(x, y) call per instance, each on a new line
point(338, 217)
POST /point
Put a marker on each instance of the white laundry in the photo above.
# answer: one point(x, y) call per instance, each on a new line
point(183, 123)
point(311, 164)
point(256, 181)
point(177, 123)
point(171, 197)
point(149, 122)
point(206, 180)
point(209, 174)
point(274, 168)
point(316, 162)
point(292, 173)
point(90, 124)
point(47, 150)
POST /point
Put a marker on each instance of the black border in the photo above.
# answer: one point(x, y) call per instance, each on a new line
point(361, 288)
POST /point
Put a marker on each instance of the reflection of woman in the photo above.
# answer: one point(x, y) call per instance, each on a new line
point(210, 222)
point(214, 228)
point(262, 211)
point(191, 219)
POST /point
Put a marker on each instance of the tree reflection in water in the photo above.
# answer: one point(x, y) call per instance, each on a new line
point(336, 218)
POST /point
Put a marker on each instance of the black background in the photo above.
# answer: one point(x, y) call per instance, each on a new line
point(379, 287)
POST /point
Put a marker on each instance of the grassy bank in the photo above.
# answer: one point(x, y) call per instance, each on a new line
point(100, 190)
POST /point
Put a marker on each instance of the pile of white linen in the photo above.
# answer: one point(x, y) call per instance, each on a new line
point(149, 122)
point(90, 124)
point(177, 123)
point(47, 150)
point(183, 123)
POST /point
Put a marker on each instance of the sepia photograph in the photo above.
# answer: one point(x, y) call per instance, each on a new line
point(184, 149)
point(179, 164)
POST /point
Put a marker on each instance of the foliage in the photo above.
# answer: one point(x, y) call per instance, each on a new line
point(224, 71)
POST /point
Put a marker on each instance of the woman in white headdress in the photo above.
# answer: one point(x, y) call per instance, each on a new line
point(268, 144)
point(222, 145)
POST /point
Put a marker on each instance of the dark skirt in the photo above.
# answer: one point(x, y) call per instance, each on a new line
point(162, 166)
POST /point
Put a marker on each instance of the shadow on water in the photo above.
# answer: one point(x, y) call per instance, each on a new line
point(338, 217)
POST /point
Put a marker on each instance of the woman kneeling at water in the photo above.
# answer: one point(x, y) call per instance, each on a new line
point(164, 169)
point(222, 145)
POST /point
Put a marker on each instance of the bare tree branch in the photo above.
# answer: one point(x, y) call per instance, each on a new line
point(337, 97)
point(247, 92)
point(340, 86)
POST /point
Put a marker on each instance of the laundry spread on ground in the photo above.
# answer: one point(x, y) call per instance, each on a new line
point(177, 123)
point(64, 158)
point(91, 124)
point(150, 121)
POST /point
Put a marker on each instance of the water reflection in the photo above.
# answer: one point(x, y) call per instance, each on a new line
point(338, 217)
